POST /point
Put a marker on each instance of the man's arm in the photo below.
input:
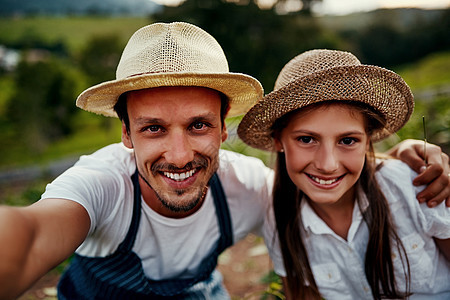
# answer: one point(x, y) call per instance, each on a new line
point(35, 239)
point(435, 175)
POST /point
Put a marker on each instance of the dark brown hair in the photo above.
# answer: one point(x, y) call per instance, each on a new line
point(121, 109)
point(287, 198)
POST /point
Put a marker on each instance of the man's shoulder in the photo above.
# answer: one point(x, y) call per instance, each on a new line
point(248, 170)
point(230, 159)
point(114, 156)
point(395, 170)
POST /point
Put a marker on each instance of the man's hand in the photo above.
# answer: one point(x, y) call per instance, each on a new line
point(436, 174)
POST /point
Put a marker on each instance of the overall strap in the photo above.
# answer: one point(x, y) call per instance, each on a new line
point(171, 287)
point(128, 242)
point(222, 212)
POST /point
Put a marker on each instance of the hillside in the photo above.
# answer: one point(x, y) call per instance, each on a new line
point(401, 18)
point(70, 7)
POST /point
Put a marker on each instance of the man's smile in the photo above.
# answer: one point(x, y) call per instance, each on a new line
point(180, 176)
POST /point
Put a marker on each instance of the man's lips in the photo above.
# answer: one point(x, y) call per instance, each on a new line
point(180, 180)
point(180, 176)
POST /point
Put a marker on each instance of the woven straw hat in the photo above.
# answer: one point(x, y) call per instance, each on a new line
point(328, 75)
point(174, 54)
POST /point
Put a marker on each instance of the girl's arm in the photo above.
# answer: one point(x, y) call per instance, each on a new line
point(444, 247)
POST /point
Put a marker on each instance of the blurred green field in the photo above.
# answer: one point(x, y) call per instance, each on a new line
point(429, 79)
point(72, 31)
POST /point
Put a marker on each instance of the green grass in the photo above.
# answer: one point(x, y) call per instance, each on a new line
point(73, 31)
point(429, 78)
point(94, 133)
point(431, 71)
point(7, 89)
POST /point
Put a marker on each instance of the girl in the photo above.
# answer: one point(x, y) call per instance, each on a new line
point(348, 225)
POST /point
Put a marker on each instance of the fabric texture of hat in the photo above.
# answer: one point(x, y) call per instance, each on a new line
point(328, 75)
point(173, 54)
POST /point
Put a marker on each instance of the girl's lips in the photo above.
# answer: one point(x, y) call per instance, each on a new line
point(325, 183)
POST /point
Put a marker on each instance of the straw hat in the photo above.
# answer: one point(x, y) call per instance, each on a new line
point(324, 75)
point(174, 54)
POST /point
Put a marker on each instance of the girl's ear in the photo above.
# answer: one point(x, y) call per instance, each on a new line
point(126, 140)
point(278, 146)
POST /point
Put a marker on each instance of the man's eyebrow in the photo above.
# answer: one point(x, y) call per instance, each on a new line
point(206, 116)
point(145, 121)
point(209, 116)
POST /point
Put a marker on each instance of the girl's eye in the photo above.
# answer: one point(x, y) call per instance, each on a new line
point(305, 139)
point(348, 141)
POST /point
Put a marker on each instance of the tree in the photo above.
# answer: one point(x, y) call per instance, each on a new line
point(42, 108)
point(100, 58)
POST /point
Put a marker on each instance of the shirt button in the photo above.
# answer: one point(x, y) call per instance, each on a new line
point(414, 246)
point(366, 289)
point(329, 276)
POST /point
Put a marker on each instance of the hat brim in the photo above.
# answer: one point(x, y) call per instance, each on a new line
point(377, 87)
point(242, 90)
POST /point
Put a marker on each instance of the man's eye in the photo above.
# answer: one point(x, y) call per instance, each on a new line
point(348, 141)
point(153, 128)
point(199, 125)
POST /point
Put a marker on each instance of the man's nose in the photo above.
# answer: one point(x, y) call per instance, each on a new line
point(179, 150)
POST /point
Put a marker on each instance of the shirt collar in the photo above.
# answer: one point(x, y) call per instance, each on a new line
point(312, 222)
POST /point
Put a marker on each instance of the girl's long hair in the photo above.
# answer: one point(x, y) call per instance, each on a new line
point(379, 266)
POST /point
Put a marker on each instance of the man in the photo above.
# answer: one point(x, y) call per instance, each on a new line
point(148, 217)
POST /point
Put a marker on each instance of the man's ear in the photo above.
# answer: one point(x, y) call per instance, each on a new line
point(224, 132)
point(126, 140)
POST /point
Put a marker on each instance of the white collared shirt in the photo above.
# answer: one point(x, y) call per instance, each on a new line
point(338, 264)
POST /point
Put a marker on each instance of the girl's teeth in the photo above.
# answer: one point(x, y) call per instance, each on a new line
point(321, 181)
point(179, 176)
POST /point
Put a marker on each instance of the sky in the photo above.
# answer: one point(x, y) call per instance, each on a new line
point(342, 7)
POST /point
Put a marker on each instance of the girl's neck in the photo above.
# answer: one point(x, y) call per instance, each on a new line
point(338, 216)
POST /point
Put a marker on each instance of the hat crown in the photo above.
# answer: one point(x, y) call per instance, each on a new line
point(314, 61)
point(171, 48)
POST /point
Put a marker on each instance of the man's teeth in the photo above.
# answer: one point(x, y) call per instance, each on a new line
point(321, 181)
point(179, 176)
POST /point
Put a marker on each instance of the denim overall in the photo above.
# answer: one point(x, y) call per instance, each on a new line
point(120, 275)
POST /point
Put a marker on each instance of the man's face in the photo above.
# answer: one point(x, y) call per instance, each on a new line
point(176, 133)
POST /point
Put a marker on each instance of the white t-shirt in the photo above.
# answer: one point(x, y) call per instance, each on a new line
point(169, 248)
point(338, 264)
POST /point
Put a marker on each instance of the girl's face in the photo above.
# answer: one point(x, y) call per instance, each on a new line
point(325, 152)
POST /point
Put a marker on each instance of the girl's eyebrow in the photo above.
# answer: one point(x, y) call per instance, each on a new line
point(353, 132)
point(346, 133)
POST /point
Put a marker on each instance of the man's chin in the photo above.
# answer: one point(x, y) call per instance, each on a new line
point(180, 201)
